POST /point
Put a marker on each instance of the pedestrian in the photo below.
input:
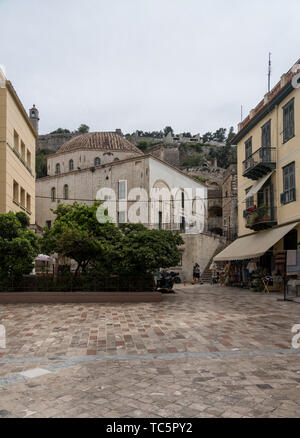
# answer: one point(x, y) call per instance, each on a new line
point(196, 273)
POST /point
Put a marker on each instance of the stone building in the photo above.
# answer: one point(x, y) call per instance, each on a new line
point(105, 160)
point(17, 154)
point(229, 201)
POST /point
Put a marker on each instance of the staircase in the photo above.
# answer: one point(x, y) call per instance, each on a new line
point(206, 277)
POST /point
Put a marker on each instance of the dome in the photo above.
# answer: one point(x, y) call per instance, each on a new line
point(99, 141)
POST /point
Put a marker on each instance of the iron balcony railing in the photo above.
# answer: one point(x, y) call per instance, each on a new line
point(264, 216)
point(263, 160)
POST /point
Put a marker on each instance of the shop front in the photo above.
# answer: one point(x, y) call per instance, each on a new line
point(260, 261)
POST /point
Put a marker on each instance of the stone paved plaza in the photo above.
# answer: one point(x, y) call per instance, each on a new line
point(204, 352)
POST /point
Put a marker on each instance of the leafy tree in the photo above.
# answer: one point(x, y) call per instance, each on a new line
point(143, 145)
point(167, 130)
point(104, 248)
point(83, 129)
point(144, 251)
point(207, 137)
point(220, 135)
point(194, 160)
point(230, 135)
point(41, 162)
point(18, 247)
point(60, 131)
point(77, 234)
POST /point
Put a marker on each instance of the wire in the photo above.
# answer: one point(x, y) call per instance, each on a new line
point(126, 200)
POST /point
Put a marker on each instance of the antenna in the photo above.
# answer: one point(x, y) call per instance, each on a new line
point(269, 72)
point(241, 113)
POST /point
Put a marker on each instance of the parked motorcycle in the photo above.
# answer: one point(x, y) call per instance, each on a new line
point(166, 280)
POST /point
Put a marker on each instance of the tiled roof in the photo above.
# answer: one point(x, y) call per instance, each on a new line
point(99, 140)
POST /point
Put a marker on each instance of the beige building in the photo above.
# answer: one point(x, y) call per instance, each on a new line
point(105, 160)
point(17, 154)
point(268, 143)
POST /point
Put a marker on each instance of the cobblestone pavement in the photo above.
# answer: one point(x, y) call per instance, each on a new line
point(204, 352)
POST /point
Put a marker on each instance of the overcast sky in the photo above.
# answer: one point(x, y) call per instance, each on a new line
point(145, 64)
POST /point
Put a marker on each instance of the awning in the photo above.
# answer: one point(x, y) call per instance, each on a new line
point(255, 245)
point(256, 187)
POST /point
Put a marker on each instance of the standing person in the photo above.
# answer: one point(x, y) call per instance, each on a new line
point(196, 273)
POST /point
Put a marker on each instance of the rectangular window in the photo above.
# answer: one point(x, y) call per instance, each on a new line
point(288, 121)
point(160, 220)
point(289, 184)
point(22, 200)
point(16, 191)
point(248, 148)
point(16, 141)
point(249, 201)
point(266, 135)
point(121, 217)
point(23, 150)
point(122, 190)
point(29, 158)
point(28, 202)
point(48, 224)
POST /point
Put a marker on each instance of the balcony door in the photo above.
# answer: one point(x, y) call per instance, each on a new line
point(266, 142)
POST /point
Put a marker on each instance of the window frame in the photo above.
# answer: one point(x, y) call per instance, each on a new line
point(247, 142)
point(288, 131)
point(125, 190)
point(289, 183)
point(266, 135)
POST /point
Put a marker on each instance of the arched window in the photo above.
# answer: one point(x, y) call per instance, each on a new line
point(57, 168)
point(97, 161)
point(71, 165)
point(53, 194)
point(66, 191)
point(116, 159)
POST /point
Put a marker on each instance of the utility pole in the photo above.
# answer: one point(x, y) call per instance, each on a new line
point(269, 72)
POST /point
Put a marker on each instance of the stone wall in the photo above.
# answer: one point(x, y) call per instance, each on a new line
point(53, 141)
point(168, 154)
point(199, 248)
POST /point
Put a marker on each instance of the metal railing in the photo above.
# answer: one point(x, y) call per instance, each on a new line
point(261, 156)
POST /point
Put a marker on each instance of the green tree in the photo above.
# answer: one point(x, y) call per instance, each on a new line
point(220, 135)
point(60, 131)
point(167, 130)
point(41, 162)
point(144, 251)
point(83, 129)
point(18, 247)
point(77, 234)
point(230, 135)
point(143, 145)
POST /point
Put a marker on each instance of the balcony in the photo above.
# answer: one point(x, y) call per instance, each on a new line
point(260, 163)
point(260, 218)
